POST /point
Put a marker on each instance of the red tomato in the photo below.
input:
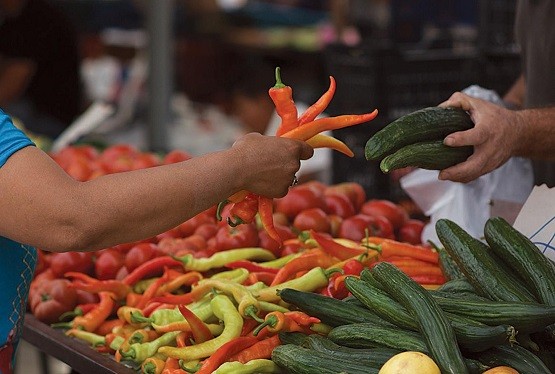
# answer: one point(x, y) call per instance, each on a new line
point(298, 199)
point(176, 155)
point(411, 231)
point(206, 230)
point(339, 204)
point(355, 227)
point(388, 209)
point(108, 263)
point(51, 299)
point(171, 233)
point(270, 244)
point(280, 219)
point(145, 160)
point(353, 267)
point(312, 219)
point(188, 227)
point(139, 254)
point(291, 248)
point(354, 191)
point(63, 262)
point(245, 235)
point(317, 186)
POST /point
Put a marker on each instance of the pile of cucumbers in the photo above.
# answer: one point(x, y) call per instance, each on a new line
point(496, 309)
point(416, 139)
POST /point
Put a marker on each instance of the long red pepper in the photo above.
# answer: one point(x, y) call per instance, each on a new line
point(266, 211)
point(317, 126)
point(244, 211)
point(224, 352)
point(93, 285)
point(260, 349)
point(150, 268)
point(319, 106)
point(150, 292)
point(335, 249)
point(282, 96)
point(201, 332)
point(326, 141)
point(389, 247)
point(94, 318)
point(308, 260)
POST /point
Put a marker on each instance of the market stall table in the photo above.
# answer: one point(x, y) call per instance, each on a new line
point(73, 352)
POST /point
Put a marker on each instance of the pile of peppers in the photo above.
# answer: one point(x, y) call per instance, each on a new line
point(220, 314)
point(306, 127)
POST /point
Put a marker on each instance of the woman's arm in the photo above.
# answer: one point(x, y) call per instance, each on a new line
point(46, 208)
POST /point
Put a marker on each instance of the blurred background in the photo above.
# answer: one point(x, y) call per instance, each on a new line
point(185, 74)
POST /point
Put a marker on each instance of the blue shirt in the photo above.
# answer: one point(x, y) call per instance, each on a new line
point(18, 263)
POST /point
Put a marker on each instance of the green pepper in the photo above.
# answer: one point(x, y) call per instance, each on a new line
point(238, 275)
point(225, 310)
point(139, 352)
point(253, 366)
point(93, 339)
point(117, 343)
point(158, 317)
point(314, 279)
point(219, 259)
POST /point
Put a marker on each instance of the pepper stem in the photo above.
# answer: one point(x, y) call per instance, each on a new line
point(331, 271)
point(71, 314)
point(61, 325)
point(251, 312)
point(138, 318)
point(220, 208)
point(271, 321)
point(279, 83)
point(235, 223)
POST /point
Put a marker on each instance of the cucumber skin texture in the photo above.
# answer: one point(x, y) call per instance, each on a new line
point(330, 311)
point(432, 155)
point(432, 123)
point(471, 335)
point(475, 259)
point(514, 356)
point(523, 256)
point(524, 317)
point(370, 335)
point(434, 326)
point(299, 360)
point(448, 265)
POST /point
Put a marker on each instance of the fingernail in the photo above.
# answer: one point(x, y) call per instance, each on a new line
point(442, 176)
point(449, 141)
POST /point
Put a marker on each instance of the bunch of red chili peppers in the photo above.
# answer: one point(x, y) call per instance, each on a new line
point(304, 127)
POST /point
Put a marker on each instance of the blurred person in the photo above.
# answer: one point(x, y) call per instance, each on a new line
point(251, 105)
point(52, 211)
point(39, 66)
point(526, 127)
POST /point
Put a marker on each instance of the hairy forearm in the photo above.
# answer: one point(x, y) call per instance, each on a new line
point(537, 133)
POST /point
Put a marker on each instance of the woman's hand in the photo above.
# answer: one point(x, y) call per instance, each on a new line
point(270, 163)
point(495, 138)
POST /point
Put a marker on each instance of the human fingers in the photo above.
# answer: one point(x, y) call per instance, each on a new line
point(458, 100)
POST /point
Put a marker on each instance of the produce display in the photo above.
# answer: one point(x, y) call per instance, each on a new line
point(323, 280)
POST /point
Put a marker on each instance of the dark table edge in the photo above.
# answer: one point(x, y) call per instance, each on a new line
point(78, 355)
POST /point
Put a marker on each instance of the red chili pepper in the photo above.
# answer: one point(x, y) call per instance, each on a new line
point(150, 268)
point(275, 322)
point(201, 332)
point(308, 260)
point(93, 319)
point(302, 318)
point(244, 211)
point(336, 287)
point(183, 338)
point(390, 247)
point(308, 130)
point(250, 266)
point(352, 267)
point(153, 306)
point(171, 366)
point(262, 276)
point(90, 284)
point(319, 106)
point(174, 299)
point(335, 249)
point(223, 353)
point(107, 326)
point(266, 211)
point(282, 96)
point(260, 349)
point(248, 326)
point(150, 292)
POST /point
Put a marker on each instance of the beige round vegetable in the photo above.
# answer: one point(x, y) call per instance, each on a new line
point(410, 363)
point(501, 370)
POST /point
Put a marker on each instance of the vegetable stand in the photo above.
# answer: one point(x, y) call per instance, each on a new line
point(71, 351)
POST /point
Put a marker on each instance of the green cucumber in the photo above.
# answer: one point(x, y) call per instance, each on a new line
point(471, 335)
point(448, 266)
point(520, 359)
point(480, 265)
point(433, 324)
point(432, 123)
point(524, 317)
point(431, 155)
point(522, 255)
point(330, 311)
point(371, 357)
point(295, 359)
point(293, 337)
point(371, 335)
